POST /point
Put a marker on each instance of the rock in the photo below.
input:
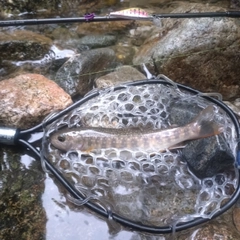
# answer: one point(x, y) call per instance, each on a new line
point(22, 186)
point(198, 52)
point(211, 231)
point(182, 112)
point(76, 76)
point(236, 216)
point(28, 98)
point(103, 28)
point(208, 156)
point(121, 75)
point(97, 41)
point(234, 106)
point(23, 45)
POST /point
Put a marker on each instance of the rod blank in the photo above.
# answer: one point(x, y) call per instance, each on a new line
point(23, 22)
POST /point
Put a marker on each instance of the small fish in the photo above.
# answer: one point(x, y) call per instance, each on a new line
point(136, 139)
point(131, 13)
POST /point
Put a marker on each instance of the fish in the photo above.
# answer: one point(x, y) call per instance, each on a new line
point(89, 139)
point(131, 13)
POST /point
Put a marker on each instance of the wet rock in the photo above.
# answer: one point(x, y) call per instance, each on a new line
point(210, 231)
point(197, 52)
point(121, 75)
point(208, 156)
point(76, 76)
point(28, 98)
point(119, 27)
point(234, 106)
point(182, 113)
point(97, 41)
point(22, 215)
point(124, 53)
point(23, 45)
point(236, 216)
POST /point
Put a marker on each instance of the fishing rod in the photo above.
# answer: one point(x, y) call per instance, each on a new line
point(118, 16)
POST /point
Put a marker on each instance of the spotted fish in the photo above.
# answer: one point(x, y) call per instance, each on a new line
point(136, 139)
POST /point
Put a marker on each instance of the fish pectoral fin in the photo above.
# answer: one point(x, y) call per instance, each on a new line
point(177, 146)
point(181, 145)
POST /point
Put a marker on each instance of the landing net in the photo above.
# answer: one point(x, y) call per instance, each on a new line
point(155, 189)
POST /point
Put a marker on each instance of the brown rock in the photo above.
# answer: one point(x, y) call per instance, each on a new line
point(23, 45)
point(236, 217)
point(104, 28)
point(213, 231)
point(27, 99)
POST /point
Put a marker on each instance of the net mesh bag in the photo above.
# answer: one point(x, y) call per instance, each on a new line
point(151, 188)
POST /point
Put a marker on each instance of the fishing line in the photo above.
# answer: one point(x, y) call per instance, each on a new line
point(108, 18)
point(17, 137)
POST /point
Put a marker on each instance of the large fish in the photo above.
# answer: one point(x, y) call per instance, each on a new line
point(136, 139)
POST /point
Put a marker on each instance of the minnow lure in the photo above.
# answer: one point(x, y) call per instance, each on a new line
point(131, 13)
point(89, 16)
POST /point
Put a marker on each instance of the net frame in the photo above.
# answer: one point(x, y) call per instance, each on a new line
point(133, 224)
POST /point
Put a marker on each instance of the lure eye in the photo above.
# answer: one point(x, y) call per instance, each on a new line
point(61, 138)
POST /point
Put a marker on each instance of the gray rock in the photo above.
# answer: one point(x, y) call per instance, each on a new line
point(77, 75)
point(121, 75)
point(97, 41)
point(208, 156)
point(197, 52)
point(182, 113)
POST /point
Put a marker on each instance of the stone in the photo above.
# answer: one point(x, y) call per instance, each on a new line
point(208, 156)
point(77, 75)
point(103, 28)
point(234, 106)
point(121, 75)
point(97, 41)
point(198, 52)
point(23, 45)
point(182, 112)
point(28, 98)
point(212, 231)
point(236, 216)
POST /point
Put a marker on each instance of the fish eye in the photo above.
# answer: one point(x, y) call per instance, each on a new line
point(61, 138)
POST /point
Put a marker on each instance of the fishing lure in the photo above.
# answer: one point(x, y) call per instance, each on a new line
point(131, 13)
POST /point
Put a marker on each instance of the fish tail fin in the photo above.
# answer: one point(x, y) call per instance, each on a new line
point(204, 123)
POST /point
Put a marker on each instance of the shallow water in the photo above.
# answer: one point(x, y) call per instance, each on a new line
point(59, 218)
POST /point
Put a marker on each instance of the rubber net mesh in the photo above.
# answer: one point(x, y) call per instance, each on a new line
point(154, 189)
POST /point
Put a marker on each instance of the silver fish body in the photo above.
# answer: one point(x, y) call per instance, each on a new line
point(135, 139)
